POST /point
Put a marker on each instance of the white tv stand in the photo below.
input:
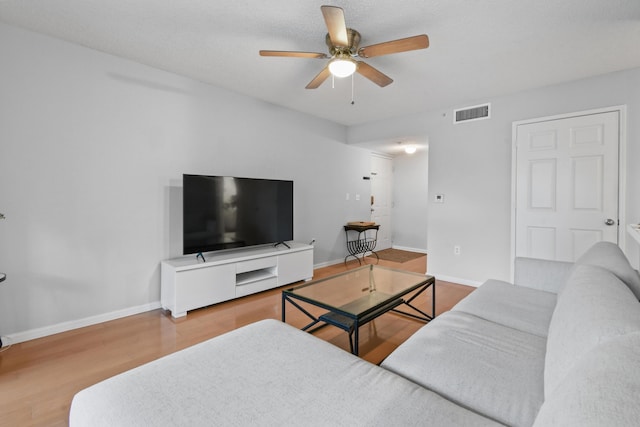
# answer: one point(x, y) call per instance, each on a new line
point(188, 283)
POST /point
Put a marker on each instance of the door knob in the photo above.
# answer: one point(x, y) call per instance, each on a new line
point(610, 222)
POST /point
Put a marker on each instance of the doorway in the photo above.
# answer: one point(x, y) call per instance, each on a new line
point(381, 198)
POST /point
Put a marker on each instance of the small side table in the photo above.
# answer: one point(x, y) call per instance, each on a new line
point(363, 243)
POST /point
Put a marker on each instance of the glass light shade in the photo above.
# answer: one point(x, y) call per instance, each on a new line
point(341, 67)
point(410, 149)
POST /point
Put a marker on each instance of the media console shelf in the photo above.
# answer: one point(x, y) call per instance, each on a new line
point(188, 283)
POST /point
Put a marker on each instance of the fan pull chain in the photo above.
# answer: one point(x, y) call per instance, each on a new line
point(353, 101)
point(333, 81)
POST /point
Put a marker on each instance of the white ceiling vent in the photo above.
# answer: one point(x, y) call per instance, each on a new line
point(469, 114)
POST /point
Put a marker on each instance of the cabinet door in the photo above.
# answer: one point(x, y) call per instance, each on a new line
point(204, 286)
point(295, 266)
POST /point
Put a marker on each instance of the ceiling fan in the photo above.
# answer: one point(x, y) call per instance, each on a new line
point(344, 47)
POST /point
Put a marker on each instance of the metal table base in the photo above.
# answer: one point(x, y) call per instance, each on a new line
point(351, 323)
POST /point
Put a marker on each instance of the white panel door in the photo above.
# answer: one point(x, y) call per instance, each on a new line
point(566, 185)
point(381, 198)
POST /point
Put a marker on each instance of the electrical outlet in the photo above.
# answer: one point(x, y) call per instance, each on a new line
point(456, 250)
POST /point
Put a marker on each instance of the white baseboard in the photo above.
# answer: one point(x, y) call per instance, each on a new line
point(341, 260)
point(452, 279)
point(80, 323)
point(407, 248)
point(442, 277)
point(328, 263)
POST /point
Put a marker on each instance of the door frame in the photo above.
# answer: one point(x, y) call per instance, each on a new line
point(391, 191)
point(622, 170)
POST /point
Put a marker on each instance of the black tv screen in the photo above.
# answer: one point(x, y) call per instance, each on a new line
point(221, 212)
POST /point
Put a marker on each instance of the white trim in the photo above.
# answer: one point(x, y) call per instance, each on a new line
point(341, 261)
point(328, 263)
point(407, 248)
point(569, 115)
point(452, 279)
point(622, 179)
point(381, 155)
point(80, 323)
point(514, 171)
point(622, 169)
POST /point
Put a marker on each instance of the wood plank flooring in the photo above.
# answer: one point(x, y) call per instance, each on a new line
point(39, 378)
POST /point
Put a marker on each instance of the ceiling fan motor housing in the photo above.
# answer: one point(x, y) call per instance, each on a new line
point(352, 49)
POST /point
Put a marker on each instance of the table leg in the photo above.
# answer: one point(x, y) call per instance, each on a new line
point(422, 315)
point(433, 300)
point(283, 308)
point(356, 344)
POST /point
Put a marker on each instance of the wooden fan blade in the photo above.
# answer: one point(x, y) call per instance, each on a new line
point(395, 46)
point(374, 75)
point(292, 54)
point(334, 18)
point(319, 79)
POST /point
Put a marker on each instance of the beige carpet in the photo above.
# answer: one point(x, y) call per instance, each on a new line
point(397, 255)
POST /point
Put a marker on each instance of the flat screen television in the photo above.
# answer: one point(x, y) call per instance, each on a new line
point(222, 212)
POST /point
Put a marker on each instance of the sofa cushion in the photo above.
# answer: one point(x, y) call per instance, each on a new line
point(610, 257)
point(543, 274)
point(489, 368)
point(525, 309)
point(266, 373)
point(602, 388)
point(594, 306)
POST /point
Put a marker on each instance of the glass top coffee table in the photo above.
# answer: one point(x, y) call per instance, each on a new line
point(358, 296)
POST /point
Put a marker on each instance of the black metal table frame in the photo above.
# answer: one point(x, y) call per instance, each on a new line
point(350, 322)
point(361, 245)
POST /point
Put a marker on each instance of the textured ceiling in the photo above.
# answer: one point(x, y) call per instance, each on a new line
point(478, 48)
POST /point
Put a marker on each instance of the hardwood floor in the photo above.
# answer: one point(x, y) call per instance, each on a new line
point(39, 378)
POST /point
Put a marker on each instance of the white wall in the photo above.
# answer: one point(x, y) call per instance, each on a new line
point(92, 152)
point(409, 214)
point(92, 148)
point(471, 164)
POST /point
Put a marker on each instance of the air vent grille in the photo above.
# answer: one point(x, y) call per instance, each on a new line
point(467, 114)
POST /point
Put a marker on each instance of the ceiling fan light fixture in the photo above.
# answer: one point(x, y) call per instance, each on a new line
point(342, 66)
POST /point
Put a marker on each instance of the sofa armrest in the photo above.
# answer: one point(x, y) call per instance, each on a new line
point(541, 274)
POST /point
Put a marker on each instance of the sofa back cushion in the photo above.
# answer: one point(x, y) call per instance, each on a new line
point(602, 389)
point(593, 306)
point(610, 257)
point(542, 274)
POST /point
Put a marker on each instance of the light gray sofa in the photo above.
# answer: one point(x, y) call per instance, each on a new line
point(561, 347)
